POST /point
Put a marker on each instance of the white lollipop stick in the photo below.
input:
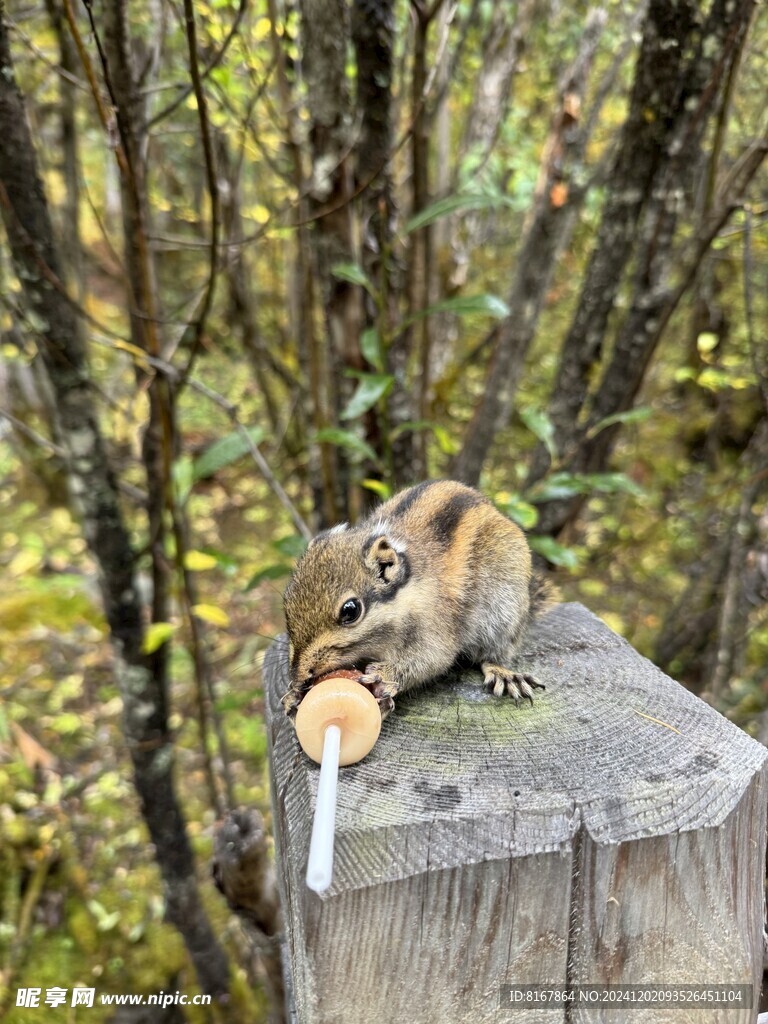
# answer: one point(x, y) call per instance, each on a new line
point(320, 865)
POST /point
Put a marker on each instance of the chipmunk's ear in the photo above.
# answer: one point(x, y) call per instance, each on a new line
point(388, 564)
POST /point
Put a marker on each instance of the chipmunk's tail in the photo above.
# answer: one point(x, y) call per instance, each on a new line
point(543, 594)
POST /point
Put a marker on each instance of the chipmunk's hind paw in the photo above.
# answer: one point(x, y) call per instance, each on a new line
point(518, 685)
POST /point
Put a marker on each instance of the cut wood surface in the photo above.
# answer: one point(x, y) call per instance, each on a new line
point(612, 832)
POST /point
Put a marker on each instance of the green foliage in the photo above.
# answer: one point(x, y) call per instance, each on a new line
point(371, 387)
point(370, 347)
point(353, 274)
point(347, 439)
point(463, 305)
point(539, 423)
point(458, 203)
point(558, 486)
point(224, 452)
point(275, 571)
point(557, 554)
point(521, 512)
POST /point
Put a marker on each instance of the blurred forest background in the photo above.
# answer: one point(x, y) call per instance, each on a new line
point(263, 263)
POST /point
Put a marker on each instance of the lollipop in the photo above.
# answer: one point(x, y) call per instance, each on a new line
point(337, 723)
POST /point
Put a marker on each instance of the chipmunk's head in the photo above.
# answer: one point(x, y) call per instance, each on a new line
point(341, 605)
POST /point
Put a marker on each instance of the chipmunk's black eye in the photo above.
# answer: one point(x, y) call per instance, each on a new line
point(350, 611)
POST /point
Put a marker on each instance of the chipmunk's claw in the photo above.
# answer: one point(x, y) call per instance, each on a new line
point(292, 699)
point(518, 685)
point(383, 690)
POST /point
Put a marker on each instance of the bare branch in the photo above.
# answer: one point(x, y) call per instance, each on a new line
point(211, 182)
point(214, 62)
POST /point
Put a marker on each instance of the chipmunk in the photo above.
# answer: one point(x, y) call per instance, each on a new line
point(434, 576)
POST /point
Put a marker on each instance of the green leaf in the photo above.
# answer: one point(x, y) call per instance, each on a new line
point(353, 274)
point(224, 452)
point(452, 204)
point(226, 563)
point(526, 516)
point(371, 388)
point(463, 305)
point(684, 373)
point(346, 439)
point(561, 486)
point(269, 572)
point(411, 426)
point(539, 423)
point(630, 416)
point(182, 476)
point(156, 635)
point(555, 553)
point(556, 487)
point(291, 546)
point(612, 483)
point(447, 444)
point(383, 490)
point(370, 346)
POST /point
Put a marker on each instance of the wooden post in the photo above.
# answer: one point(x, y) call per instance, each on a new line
point(613, 833)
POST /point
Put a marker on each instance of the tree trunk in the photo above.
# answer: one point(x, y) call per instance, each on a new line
point(552, 219)
point(326, 34)
point(70, 164)
point(502, 52)
point(420, 253)
point(656, 106)
point(312, 354)
point(707, 45)
point(373, 28)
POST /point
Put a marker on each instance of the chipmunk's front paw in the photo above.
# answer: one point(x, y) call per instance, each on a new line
point(503, 680)
point(292, 699)
point(383, 689)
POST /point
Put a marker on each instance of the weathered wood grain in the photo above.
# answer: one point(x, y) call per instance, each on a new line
point(579, 840)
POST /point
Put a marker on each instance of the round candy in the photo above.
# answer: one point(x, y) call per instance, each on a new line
point(345, 703)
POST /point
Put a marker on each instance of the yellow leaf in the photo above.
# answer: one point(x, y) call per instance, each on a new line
point(614, 622)
point(261, 29)
point(210, 613)
point(156, 635)
point(25, 561)
point(706, 342)
point(198, 560)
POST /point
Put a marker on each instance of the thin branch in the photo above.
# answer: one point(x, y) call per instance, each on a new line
point(207, 713)
point(56, 68)
point(232, 411)
point(32, 435)
point(209, 67)
point(211, 182)
point(749, 309)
